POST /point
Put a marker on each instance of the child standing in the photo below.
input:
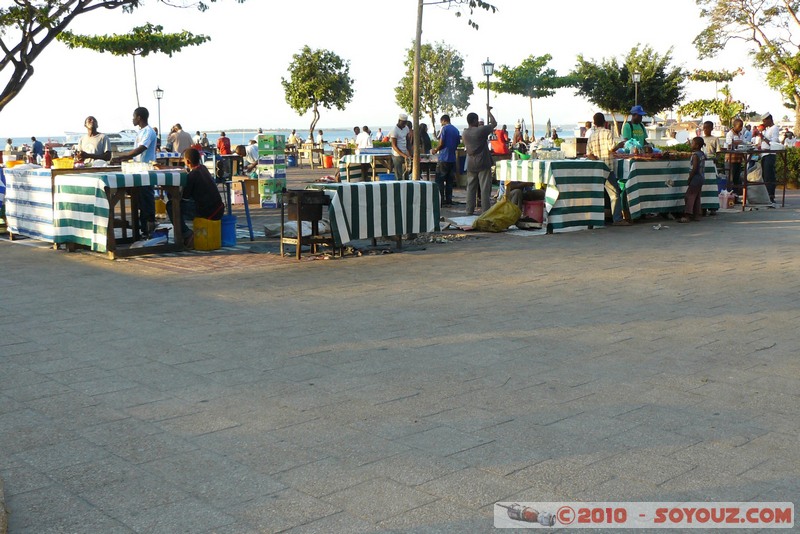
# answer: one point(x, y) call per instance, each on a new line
point(697, 177)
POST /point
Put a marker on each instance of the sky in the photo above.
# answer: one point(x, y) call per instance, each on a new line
point(233, 81)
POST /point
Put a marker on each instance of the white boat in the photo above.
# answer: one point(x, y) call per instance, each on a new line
point(121, 141)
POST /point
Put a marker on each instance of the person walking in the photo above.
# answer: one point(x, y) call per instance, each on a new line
point(479, 161)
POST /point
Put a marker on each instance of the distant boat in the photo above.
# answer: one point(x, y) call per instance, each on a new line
point(121, 141)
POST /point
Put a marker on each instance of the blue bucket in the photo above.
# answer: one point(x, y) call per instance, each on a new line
point(386, 177)
point(229, 230)
point(291, 161)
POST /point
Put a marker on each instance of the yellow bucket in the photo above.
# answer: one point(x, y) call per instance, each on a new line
point(161, 209)
point(207, 234)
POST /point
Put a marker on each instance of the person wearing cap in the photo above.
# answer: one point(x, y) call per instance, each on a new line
point(771, 135)
point(634, 129)
point(479, 161)
point(399, 139)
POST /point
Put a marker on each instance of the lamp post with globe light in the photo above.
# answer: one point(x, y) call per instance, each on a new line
point(488, 70)
point(159, 94)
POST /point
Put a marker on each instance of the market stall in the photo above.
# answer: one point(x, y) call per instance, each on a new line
point(659, 185)
point(86, 206)
point(574, 194)
point(29, 202)
point(369, 210)
point(750, 156)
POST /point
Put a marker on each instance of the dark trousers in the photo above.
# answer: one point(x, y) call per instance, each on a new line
point(187, 213)
point(399, 164)
point(768, 174)
point(692, 200)
point(445, 179)
point(147, 208)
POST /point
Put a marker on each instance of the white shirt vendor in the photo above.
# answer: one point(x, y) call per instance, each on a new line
point(364, 140)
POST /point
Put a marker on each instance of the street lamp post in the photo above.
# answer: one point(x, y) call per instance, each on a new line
point(159, 94)
point(637, 77)
point(488, 70)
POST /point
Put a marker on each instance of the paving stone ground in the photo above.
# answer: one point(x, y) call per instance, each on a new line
point(405, 392)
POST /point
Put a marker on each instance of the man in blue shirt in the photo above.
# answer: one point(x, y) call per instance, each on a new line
point(38, 150)
point(145, 150)
point(449, 137)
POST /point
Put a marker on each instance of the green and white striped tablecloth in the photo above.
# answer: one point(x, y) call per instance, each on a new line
point(381, 209)
point(82, 207)
point(575, 188)
point(29, 202)
point(646, 189)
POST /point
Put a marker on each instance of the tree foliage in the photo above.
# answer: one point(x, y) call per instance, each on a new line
point(141, 41)
point(465, 6)
point(531, 79)
point(727, 108)
point(442, 85)
point(27, 27)
point(718, 76)
point(609, 83)
point(317, 78)
point(769, 27)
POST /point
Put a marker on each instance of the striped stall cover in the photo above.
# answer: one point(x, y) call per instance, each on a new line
point(162, 155)
point(646, 190)
point(380, 209)
point(575, 188)
point(2, 187)
point(29, 202)
point(82, 207)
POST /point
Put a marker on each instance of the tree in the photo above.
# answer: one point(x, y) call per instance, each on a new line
point(142, 41)
point(442, 85)
point(531, 79)
point(610, 85)
point(27, 27)
point(726, 108)
point(767, 26)
point(472, 5)
point(317, 78)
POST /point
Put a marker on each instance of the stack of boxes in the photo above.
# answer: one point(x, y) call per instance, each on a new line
point(271, 169)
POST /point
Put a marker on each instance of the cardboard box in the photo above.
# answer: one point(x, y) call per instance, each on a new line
point(271, 186)
point(271, 142)
point(267, 153)
point(251, 187)
point(272, 159)
point(271, 171)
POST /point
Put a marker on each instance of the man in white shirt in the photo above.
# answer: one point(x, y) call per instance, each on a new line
point(364, 139)
point(772, 134)
point(399, 140)
point(251, 156)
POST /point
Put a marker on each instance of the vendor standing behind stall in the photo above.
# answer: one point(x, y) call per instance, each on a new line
point(772, 134)
point(93, 145)
point(145, 151)
point(599, 147)
point(634, 129)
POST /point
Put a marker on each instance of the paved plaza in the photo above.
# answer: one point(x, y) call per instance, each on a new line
point(403, 392)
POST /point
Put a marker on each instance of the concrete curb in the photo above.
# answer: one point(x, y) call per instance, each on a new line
point(3, 512)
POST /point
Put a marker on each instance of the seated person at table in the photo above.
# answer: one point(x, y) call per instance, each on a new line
point(251, 157)
point(200, 197)
point(93, 145)
point(294, 139)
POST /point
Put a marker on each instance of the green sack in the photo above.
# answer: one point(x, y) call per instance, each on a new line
point(499, 217)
